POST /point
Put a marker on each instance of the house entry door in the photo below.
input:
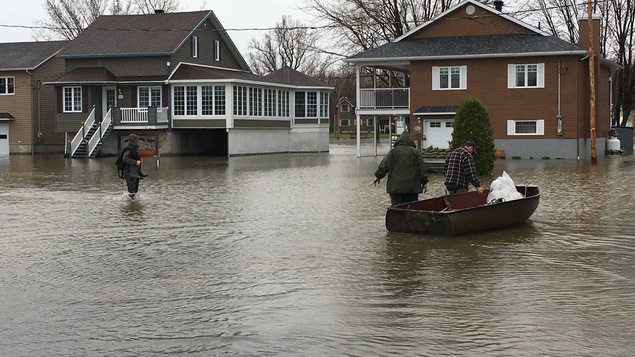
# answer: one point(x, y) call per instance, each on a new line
point(109, 99)
point(4, 139)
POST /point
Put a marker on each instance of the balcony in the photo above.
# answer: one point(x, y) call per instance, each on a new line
point(140, 116)
point(384, 98)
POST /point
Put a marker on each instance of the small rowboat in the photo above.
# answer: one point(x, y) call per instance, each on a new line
point(462, 213)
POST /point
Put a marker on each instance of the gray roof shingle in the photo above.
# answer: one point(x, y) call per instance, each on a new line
point(491, 45)
point(27, 55)
point(119, 35)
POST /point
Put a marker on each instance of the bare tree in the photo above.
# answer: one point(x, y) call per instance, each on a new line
point(621, 29)
point(67, 18)
point(289, 44)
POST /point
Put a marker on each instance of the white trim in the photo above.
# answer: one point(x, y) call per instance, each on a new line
point(511, 127)
point(511, 75)
point(406, 60)
point(436, 77)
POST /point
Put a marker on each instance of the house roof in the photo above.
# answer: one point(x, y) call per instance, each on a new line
point(27, 55)
point(513, 45)
point(101, 76)
point(159, 34)
point(6, 117)
point(286, 76)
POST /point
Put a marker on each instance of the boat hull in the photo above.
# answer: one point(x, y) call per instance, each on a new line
point(461, 213)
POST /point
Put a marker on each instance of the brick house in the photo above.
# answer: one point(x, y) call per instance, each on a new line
point(534, 86)
point(178, 81)
point(26, 105)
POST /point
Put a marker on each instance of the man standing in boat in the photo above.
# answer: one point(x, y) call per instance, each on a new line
point(406, 170)
point(459, 169)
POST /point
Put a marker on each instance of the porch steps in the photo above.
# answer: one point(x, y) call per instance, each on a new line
point(81, 151)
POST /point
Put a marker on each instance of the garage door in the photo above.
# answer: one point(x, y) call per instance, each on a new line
point(438, 133)
point(4, 139)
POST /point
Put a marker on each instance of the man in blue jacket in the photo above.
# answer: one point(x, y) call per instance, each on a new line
point(406, 170)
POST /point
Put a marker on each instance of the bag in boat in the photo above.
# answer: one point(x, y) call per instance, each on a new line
point(503, 189)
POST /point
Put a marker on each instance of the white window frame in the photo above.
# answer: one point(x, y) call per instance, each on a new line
point(8, 87)
point(540, 127)
point(75, 102)
point(217, 50)
point(154, 94)
point(513, 68)
point(436, 77)
point(194, 46)
point(345, 122)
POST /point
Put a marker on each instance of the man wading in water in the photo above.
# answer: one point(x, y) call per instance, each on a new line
point(132, 159)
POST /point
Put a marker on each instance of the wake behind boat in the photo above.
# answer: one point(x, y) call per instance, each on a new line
point(462, 213)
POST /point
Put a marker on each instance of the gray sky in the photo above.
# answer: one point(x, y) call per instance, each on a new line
point(233, 14)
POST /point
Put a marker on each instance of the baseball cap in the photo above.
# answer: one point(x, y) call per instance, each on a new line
point(472, 144)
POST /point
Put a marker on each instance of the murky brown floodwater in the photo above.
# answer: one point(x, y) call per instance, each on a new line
point(287, 255)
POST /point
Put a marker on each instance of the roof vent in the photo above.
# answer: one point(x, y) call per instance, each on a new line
point(159, 11)
point(498, 4)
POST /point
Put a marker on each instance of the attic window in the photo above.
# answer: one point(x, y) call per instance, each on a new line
point(194, 46)
point(217, 50)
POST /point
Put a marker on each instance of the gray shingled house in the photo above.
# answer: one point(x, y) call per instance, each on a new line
point(178, 81)
point(26, 105)
point(536, 87)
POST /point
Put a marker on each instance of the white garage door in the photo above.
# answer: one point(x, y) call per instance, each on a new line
point(438, 133)
point(4, 139)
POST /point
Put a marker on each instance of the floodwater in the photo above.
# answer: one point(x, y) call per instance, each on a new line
point(287, 255)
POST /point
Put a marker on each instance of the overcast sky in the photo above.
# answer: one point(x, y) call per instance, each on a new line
point(233, 15)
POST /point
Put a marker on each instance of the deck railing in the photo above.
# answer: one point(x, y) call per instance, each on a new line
point(374, 98)
point(141, 116)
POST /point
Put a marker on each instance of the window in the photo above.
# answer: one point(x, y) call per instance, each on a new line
point(217, 50)
point(270, 102)
point(525, 127)
point(370, 122)
point(194, 46)
point(149, 97)
point(311, 104)
point(449, 124)
point(240, 100)
point(526, 75)
point(185, 100)
point(219, 100)
point(283, 103)
point(207, 98)
point(324, 104)
point(7, 85)
point(435, 124)
point(449, 78)
point(255, 102)
point(346, 107)
point(300, 104)
point(72, 99)
point(345, 122)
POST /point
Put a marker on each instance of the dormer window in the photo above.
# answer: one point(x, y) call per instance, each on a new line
point(217, 50)
point(194, 46)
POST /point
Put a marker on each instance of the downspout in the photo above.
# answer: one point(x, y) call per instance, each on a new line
point(559, 115)
point(357, 101)
point(32, 90)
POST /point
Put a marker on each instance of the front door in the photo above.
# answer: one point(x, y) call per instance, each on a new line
point(109, 99)
point(4, 139)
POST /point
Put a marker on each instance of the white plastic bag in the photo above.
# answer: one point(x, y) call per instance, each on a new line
point(503, 189)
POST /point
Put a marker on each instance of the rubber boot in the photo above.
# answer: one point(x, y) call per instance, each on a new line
point(134, 172)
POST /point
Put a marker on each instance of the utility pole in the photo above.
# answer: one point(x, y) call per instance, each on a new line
point(592, 119)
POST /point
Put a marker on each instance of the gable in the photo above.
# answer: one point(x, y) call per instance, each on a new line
point(469, 20)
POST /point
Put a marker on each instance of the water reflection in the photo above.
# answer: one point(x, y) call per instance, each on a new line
point(288, 255)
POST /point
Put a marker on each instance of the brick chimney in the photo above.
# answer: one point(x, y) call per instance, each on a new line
point(498, 5)
point(583, 26)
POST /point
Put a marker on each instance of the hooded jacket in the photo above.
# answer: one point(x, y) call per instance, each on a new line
point(404, 165)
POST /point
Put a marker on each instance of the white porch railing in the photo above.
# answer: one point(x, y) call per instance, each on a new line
point(384, 98)
point(81, 133)
point(134, 115)
point(96, 138)
point(140, 115)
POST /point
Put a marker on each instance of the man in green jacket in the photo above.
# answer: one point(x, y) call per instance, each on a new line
point(406, 170)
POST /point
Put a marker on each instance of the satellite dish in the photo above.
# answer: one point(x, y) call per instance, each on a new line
point(470, 9)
